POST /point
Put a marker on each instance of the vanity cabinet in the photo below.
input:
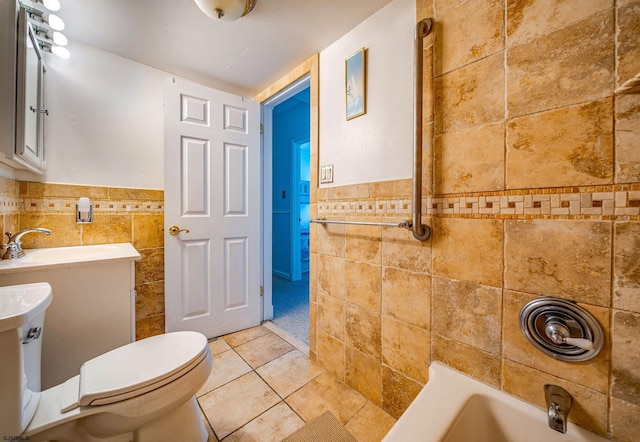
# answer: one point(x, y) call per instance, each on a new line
point(93, 305)
point(23, 109)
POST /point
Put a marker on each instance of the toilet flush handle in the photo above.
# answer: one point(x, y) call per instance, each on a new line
point(32, 334)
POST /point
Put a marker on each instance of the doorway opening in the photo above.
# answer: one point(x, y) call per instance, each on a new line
point(290, 214)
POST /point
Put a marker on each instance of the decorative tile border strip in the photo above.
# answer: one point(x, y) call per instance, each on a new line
point(604, 202)
point(113, 207)
point(10, 205)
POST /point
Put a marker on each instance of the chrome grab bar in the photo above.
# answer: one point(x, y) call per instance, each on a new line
point(404, 224)
point(420, 231)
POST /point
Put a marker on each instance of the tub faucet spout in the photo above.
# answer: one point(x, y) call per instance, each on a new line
point(559, 403)
point(13, 247)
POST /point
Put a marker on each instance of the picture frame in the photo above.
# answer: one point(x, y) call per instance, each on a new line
point(355, 84)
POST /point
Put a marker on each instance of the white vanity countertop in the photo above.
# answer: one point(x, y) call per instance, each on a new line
point(57, 257)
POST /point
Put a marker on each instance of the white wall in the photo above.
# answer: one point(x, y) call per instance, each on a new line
point(106, 121)
point(377, 146)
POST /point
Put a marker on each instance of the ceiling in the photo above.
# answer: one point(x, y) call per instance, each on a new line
point(243, 57)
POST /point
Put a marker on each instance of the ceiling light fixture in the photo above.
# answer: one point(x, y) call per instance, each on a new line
point(226, 10)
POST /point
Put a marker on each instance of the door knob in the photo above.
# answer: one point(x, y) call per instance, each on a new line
point(174, 230)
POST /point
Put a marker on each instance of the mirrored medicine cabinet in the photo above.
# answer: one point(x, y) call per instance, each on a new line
point(25, 149)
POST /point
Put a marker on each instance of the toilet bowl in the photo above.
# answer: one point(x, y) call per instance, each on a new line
point(143, 391)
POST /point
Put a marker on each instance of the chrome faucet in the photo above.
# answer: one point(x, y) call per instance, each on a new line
point(12, 249)
point(559, 403)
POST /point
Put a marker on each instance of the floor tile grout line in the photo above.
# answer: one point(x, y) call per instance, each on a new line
point(207, 419)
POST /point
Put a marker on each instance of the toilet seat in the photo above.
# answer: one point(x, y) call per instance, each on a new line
point(134, 369)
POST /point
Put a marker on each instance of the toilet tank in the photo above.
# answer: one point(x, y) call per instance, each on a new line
point(22, 310)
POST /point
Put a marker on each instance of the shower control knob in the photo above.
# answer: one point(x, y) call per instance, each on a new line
point(560, 334)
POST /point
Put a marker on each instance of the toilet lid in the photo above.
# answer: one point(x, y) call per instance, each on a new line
point(139, 367)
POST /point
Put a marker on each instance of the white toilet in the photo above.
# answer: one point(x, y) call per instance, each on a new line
point(143, 391)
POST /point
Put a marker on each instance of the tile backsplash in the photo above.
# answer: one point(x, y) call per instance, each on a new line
point(120, 215)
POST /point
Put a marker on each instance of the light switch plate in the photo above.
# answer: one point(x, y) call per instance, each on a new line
point(326, 174)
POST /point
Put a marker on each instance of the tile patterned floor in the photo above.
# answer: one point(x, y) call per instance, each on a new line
point(262, 388)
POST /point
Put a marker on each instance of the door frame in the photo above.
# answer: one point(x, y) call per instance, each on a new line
point(267, 106)
point(294, 212)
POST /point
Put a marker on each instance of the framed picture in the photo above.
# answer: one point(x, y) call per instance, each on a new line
point(355, 83)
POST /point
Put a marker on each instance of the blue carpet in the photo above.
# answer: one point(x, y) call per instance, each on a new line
point(291, 306)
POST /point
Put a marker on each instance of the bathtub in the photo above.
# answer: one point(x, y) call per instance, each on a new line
point(453, 407)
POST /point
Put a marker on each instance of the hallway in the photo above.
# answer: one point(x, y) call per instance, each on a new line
point(291, 306)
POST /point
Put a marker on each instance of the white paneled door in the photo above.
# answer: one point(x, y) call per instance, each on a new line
point(212, 200)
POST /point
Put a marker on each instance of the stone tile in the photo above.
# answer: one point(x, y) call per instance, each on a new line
point(227, 367)
point(331, 316)
point(626, 266)
point(401, 250)
point(570, 146)
point(332, 276)
point(470, 31)
point(325, 393)
point(313, 277)
point(218, 345)
point(124, 193)
point(468, 249)
point(627, 126)
point(468, 313)
point(625, 420)
point(542, 73)
point(331, 240)
point(331, 354)
point(273, 425)
point(363, 373)
point(527, 20)
point(211, 435)
point(388, 189)
point(398, 391)
point(148, 230)
point(151, 266)
point(406, 296)
point(589, 408)
point(570, 260)
point(64, 230)
point(313, 325)
point(370, 424)
point(244, 336)
point(628, 51)
point(107, 229)
point(242, 400)
point(472, 361)
point(150, 326)
point(470, 96)
point(263, 349)
point(150, 299)
point(406, 349)
point(625, 357)
point(593, 373)
point(289, 372)
point(364, 284)
point(362, 330)
point(40, 190)
point(453, 170)
point(363, 244)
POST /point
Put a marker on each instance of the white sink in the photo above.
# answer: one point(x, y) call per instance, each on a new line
point(67, 254)
point(35, 259)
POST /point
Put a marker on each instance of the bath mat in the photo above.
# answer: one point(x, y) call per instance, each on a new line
point(321, 429)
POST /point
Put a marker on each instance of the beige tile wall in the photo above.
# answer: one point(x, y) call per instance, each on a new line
point(120, 215)
point(536, 192)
